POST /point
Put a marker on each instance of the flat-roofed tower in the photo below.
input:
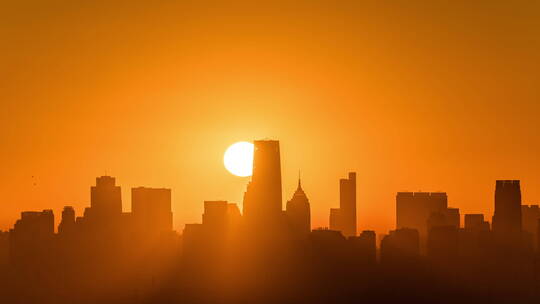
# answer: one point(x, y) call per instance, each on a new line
point(347, 204)
point(263, 198)
point(507, 216)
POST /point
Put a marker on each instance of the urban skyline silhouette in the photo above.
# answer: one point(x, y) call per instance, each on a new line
point(108, 255)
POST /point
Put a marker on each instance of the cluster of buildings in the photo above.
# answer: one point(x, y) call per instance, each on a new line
point(229, 249)
point(103, 232)
point(263, 216)
point(425, 224)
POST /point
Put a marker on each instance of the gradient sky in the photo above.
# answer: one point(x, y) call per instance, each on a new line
point(438, 96)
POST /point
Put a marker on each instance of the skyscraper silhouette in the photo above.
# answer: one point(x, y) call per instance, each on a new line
point(529, 221)
point(413, 210)
point(364, 247)
point(476, 222)
point(105, 198)
point(151, 210)
point(298, 212)
point(344, 218)
point(442, 244)
point(262, 200)
point(31, 236)
point(215, 216)
point(67, 225)
point(400, 245)
point(446, 217)
point(335, 219)
point(507, 216)
point(347, 204)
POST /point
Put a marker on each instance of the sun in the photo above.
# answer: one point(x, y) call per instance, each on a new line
point(238, 158)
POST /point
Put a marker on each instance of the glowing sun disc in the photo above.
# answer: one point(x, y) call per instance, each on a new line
point(238, 158)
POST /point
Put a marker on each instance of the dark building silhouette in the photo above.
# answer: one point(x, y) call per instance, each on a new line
point(329, 246)
point(453, 217)
point(414, 209)
point(151, 210)
point(476, 222)
point(530, 215)
point(38, 224)
point(475, 239)
point(347, 204)
point(445, 217)
point(400, 246)
point(67, 224)
point(31, 237)
point(507, 216)
point(104, 221)
point(344, 218)
point(220, 217)
point(364, 247)
point(220, 223)
point(193, 241)
point(4, 249)
point(538, 237)
point(215, 216)
point(442, 245)
point(263, 198)
point(105, 200)
point(335, 220)
point(299, 213)
point(436, 219)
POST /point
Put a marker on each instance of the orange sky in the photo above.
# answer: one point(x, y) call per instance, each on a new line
point(440, 96)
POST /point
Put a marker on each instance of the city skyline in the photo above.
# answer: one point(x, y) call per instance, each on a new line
point(319, 224)
point(269, 252)
point(239, 151)
point(412, 209)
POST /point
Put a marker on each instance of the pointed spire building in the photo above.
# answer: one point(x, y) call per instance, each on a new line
point(298, 212)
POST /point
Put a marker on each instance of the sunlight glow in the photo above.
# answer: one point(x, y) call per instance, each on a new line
point(238, 158)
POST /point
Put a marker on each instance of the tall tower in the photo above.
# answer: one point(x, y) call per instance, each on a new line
point(507, 216)
point(347, 204)
point(262, 200)
point(299, 213)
